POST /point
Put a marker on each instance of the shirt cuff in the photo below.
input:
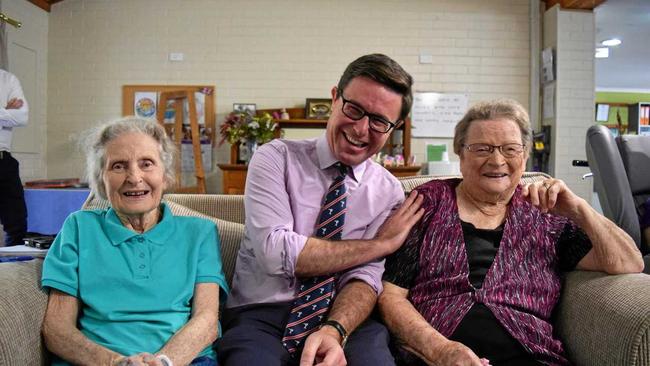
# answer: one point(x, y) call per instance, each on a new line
point(293, 245)
point(72, 291)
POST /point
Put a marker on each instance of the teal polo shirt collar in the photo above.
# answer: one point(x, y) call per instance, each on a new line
point(118, 233)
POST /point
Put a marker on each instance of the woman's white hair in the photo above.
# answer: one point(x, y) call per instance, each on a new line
point(98, 137)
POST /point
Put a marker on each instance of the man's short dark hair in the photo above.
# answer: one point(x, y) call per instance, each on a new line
point(385, 71)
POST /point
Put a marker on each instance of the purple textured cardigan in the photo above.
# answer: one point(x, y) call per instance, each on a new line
point(521, 287)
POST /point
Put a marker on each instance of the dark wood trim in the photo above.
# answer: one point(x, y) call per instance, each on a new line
point(574, 4)
point(45, 4)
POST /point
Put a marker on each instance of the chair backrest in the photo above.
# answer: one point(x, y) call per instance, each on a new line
point(611, 182)
point(635, 153)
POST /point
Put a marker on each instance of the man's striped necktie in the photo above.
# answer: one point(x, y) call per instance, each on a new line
point(316, 293)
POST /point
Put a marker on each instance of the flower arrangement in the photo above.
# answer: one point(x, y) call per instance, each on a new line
point(241, 127)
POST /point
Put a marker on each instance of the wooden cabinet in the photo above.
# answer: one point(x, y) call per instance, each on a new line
point(234, 178)
point(234, 175)
point(639, 118)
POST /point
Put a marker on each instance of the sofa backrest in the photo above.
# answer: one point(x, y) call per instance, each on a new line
point(214, 207)
point(227, 212)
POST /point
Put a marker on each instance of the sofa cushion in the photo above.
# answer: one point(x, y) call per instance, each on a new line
point(230, 233)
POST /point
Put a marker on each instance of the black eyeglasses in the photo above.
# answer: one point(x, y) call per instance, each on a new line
point(485, 150)
point(375, 122)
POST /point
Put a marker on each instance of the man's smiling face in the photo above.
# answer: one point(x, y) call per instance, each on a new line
point(352, 142)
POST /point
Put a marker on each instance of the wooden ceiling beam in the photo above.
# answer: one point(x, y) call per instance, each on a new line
point(574, 4)
point(45, 4)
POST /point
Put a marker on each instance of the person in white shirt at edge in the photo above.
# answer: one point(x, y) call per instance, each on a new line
point(286, 188)
point(13, 113)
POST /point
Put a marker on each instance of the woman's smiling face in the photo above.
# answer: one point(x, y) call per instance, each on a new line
point(134, 175)
point(494, 174)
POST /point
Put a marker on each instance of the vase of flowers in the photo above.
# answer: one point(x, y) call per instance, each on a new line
point(247, 131)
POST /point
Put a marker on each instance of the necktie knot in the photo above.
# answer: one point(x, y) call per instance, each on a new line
point(341, 168)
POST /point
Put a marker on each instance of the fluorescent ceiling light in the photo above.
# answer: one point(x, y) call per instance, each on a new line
point(611, 42)
point(602, 52)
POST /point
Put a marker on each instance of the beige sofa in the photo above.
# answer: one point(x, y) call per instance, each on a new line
point(603, 320)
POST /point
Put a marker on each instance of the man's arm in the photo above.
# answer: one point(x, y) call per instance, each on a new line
point(416, 335)
point(15, 112)
point(270, 222)
point(351, 307)
point(200, 331)
point(320, 256)
point(64, 339)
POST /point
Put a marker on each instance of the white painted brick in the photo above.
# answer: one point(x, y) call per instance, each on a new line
point(277, 56)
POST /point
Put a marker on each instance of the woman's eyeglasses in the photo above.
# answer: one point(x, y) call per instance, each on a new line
point(485, 150)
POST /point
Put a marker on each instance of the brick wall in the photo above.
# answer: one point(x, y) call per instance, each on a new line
point(274, 54)
point(572, 33)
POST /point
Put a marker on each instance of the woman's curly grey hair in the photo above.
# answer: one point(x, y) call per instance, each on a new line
point(98, 137)
point(494, 109)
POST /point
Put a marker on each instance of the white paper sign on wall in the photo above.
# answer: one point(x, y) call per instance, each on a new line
point(436, 114)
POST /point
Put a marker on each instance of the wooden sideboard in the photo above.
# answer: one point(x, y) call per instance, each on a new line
point(234, 178)
point(234, 175)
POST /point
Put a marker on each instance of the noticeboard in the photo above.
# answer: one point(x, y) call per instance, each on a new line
point(436, 114)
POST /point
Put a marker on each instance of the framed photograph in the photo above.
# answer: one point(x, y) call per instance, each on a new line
point(318, 108)
point(602, 112)
point(249, 108)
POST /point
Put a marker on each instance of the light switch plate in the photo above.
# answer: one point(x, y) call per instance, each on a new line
point(176, 56)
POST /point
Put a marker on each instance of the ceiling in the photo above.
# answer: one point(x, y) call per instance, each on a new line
point(628, 64)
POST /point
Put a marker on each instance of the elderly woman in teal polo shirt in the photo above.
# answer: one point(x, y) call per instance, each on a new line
point(133, 284)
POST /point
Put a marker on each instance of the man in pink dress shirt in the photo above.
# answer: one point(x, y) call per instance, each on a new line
point(287, 180)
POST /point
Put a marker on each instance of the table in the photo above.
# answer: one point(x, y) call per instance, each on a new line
point(48, 208)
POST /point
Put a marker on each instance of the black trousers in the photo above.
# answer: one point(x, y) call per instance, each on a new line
point(13, 212)
point(253, 337)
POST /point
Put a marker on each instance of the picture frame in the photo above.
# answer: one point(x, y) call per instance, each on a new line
point(318, 108)
point(602, 112)
point(249, 108)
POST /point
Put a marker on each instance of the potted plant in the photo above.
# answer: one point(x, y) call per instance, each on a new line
point(248, 131)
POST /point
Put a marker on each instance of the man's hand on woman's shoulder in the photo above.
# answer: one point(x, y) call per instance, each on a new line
point(395, 229)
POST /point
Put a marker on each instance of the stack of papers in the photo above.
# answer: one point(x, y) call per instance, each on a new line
point(18, 250)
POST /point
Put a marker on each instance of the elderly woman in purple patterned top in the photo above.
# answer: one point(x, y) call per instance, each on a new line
point(477, 279)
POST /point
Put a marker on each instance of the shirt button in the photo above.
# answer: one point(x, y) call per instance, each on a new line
point(142, 266)
point(140, 239)
point(141, 255)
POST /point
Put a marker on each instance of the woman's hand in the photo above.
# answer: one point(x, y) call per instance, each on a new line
point(553, 195)
point(141, 359)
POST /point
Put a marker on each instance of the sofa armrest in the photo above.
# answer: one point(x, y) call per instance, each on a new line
point(22, 307)
point(605, 320)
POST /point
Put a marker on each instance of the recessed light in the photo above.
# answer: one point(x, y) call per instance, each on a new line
point(611, 42)
point(602, 52)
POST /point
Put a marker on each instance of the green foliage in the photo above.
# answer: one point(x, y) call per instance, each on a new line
point(242, 127)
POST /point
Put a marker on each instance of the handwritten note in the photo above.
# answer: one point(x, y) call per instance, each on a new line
point(436, 114)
